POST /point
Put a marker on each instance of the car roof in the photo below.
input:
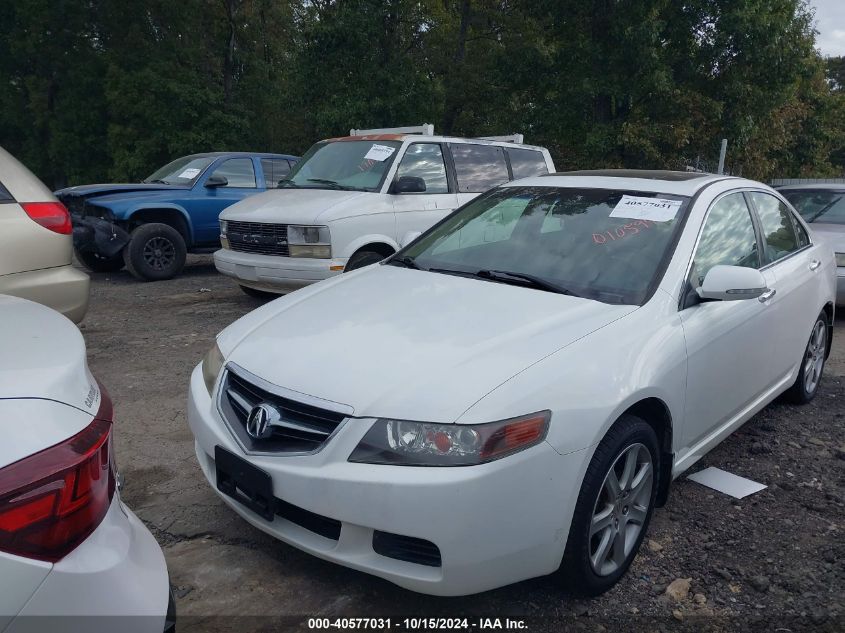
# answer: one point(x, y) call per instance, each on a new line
point(258, 154)
point(682, 183)
point(425, 138)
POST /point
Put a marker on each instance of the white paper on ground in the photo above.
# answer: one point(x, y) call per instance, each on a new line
point(380, 152)
point(728, 483)
point(638, 208)
point(189, 173)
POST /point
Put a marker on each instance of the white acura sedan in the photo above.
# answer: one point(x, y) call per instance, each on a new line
point(511, 394)
point(72, 556)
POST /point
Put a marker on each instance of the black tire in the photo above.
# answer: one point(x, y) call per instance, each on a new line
point(363, 258)
point(155, 252)
point(628, 435)
point(259, 294)
point(815, 353)
point(99, 263)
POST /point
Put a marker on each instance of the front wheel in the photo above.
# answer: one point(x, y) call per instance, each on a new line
point(806, 385)
point(614, 507)
point(155, 252)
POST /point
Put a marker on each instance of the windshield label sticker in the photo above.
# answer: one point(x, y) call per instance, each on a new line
point(632, 228)
point(189, 173)
point(654, 209)
point(380, 152)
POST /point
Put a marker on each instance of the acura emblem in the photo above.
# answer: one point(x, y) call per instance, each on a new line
point(260, 421)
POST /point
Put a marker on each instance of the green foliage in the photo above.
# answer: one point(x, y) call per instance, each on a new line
point(110, 89)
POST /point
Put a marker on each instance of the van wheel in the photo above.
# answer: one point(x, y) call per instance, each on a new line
point(806, 385)
point(259, 294)
point(99, 263)
point(614, 508)
point(363, 258)
point(155, 252)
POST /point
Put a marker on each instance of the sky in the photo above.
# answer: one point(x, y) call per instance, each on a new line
point(830, 23)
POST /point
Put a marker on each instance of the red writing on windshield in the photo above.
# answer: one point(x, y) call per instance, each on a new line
point(620, 232)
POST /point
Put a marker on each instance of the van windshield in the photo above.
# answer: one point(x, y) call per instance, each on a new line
point(603, 244)
point(350, 165)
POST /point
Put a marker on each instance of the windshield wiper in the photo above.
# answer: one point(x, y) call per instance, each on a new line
point(335, 185)
point(824, 210)
point(523, 279)
point(286, 182)
point(407, 262)
point(157, 181)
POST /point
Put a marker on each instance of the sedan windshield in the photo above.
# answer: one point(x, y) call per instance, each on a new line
point(182, 171)
point(816, 205)
point(602, 244)
point(350, 165)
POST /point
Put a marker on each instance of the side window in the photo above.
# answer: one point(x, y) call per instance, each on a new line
point(779, 238)
point(526, 163)
point(479, 167)
point(238, 171)
point(425, 160)
point(727, 238)
point(275, 169)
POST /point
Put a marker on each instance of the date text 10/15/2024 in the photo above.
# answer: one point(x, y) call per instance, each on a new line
point(417, 624)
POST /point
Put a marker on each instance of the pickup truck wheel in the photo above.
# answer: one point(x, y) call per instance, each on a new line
point(155, 252)
point(259, 294)
point(99, 263)
point(363, 258)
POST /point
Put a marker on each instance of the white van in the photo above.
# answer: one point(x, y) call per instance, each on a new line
point(351, 201)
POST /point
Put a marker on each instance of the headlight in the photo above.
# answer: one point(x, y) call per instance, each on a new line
point(840, 259)
point(224, 224)
point(404, 443)
point(211, 366)
point(309, 241)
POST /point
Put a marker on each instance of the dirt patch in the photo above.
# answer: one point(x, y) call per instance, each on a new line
point(775, 557)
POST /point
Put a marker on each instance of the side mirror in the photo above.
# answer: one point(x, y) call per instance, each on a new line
point(409, 237)
point(408, 184)
point(732, 283)
point(216, 181)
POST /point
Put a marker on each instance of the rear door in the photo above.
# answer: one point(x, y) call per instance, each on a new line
point(415, 212)
point(210, 201)
point(793, 267)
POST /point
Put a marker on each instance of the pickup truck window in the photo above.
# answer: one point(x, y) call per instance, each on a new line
point(239, 172)
point(275, 169)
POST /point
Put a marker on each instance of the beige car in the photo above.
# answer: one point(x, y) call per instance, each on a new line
point(36, 243)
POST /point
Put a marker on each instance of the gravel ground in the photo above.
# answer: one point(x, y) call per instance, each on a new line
point(773, 561)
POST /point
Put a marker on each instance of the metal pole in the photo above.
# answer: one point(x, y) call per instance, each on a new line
point(722, 153)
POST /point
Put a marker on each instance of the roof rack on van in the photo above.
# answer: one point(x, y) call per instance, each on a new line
point(509, 138)
point(426, 129)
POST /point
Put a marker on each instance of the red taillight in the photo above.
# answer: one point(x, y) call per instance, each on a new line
point(50, 215)
point(51, 501)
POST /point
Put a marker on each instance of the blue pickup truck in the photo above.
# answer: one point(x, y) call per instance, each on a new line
point(149, 227)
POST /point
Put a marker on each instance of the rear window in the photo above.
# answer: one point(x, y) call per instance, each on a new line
point(526, 163)
point(478, 167)
point(5, 196)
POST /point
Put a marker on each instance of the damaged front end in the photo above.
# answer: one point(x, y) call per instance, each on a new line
point(98, 236)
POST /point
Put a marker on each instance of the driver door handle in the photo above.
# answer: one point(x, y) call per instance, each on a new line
point(767, 295)
point(814, 265)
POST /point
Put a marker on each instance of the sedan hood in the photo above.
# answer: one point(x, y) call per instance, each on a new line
point(408, 344)
point(291, 206)
point(42, 355)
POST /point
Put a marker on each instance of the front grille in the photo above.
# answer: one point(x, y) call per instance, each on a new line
point(258, 237)
point(302, 428)
point(407, 548)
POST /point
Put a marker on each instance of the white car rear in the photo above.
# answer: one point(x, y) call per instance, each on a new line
point(68, 546)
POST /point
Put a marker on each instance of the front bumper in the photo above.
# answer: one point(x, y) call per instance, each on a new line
point(116, 580)
point(494, 524)
point(273, 273)
point(63, 288)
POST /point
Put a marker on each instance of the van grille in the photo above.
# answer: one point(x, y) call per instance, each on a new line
point(258, 237)
point(303, 428)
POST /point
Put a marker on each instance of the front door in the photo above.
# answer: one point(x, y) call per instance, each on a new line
point(729, 343)
point(415, 212)
point(211, 201)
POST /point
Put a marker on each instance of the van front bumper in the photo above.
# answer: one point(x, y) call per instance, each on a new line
point(273, 273)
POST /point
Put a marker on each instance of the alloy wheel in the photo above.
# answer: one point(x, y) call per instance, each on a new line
point(621, 509)
point(159, 253)
point(814, 357)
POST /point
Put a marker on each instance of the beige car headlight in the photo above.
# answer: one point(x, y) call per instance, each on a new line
point(211, 366)
point(309, 241)
point(840, 259)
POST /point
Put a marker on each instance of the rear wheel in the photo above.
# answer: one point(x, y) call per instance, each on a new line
point(614, 507)
point(812, 364)
point(100, 263)
point(155, 252)
point(363, 258)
